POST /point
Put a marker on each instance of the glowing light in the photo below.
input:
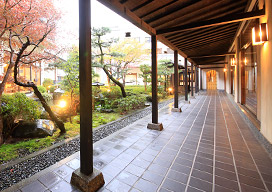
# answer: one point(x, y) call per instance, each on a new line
point(259, 34)
point(108, 90)
point(245, 61)
point(62, 104)
point(170, 89)
point(225, 70)
point(232, 62)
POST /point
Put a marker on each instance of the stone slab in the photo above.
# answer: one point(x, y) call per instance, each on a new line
point(86, 183)
point(155, 126)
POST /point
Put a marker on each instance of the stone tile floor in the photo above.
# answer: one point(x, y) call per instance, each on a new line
point(207, 147)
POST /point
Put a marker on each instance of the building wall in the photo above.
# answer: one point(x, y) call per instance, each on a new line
point(266, 77)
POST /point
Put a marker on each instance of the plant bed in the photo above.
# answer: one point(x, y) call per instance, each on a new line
point(19, 147)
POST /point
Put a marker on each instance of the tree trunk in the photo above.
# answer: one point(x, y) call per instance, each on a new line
point(54, 118)
point(2, 88)
point(116, 82)
point(145, 86)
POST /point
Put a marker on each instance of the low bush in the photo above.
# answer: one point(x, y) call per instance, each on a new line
point(42, 89)
point(113, 92)
point(129, 103)
point(16, 107)
point(47, 96)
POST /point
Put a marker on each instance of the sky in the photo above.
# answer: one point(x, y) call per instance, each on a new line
point(100, 15)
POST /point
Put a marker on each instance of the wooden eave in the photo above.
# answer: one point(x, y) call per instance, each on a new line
point(192, 27)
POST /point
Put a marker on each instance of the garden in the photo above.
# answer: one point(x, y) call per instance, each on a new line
point(37, 113)
point(108, 106)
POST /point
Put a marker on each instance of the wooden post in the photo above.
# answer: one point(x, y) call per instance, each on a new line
point(200, 79)
point(192, 79)
point(196, 79)
point(86, 178)
point(186, 78)
point(176, 79)
point(243, 78)
point(155, 122)
point(85, 81)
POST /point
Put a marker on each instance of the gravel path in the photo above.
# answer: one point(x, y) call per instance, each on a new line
point(29, 167)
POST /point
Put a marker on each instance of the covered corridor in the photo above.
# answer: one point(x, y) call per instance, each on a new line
point(207, 147)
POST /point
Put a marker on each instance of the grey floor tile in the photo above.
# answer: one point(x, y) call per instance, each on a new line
point(251, 181)
point(35, 186)
point(173, 185)
point(127, 178)
point(146, 186)
point(49, 179)
point(200, 184)
point(118, 186)
point(202, 175)
point(158, 169)
point(177, 176)
point(226, 183)
point(63, 171)
point(74, 164)
point(152, 177)
point(62, 186)
point(135, 170)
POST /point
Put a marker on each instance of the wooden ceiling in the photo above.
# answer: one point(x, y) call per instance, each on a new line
point(201, 30)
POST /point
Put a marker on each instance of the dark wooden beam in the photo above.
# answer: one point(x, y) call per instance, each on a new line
point(123, 1)
point(176, 9)
point(157, 9)
point(211, 67)
point(203, 32)
point(186, 78)
point(205, 40)
point(204, 56)
point(192, 80)
point(154, 79)
point(215, 22)
point(211, 63)
point(205, 35)
point(142, 5)
point(176, 79)
point(85, 83)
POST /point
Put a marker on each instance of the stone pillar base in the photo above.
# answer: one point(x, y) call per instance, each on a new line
point(155, 126)
point(176, 110)
point(192, 97)
point(189, 102)
point(86, 183)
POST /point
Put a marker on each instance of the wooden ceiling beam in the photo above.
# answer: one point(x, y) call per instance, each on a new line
point(205, 42)
point(215, 22)
point(207, 56)
point(206, 35)
point(142, 5)
point(161, 7)
point(201, 32)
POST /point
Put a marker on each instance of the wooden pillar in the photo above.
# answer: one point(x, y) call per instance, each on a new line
point(154, 79)
point(154, 75)
point(192, 79)
point(196, 79)
point(85, 81)
point(86, 178)
point(243, 78)
point(200, 79)
point(186, 78)
point(176, 79)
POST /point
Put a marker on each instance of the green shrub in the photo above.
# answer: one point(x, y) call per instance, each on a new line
point(42, 89)
point(52, 89)
point(47, 82)
point(129, 103)
point(15, 107)
point(114, 92)
point(47, 96)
